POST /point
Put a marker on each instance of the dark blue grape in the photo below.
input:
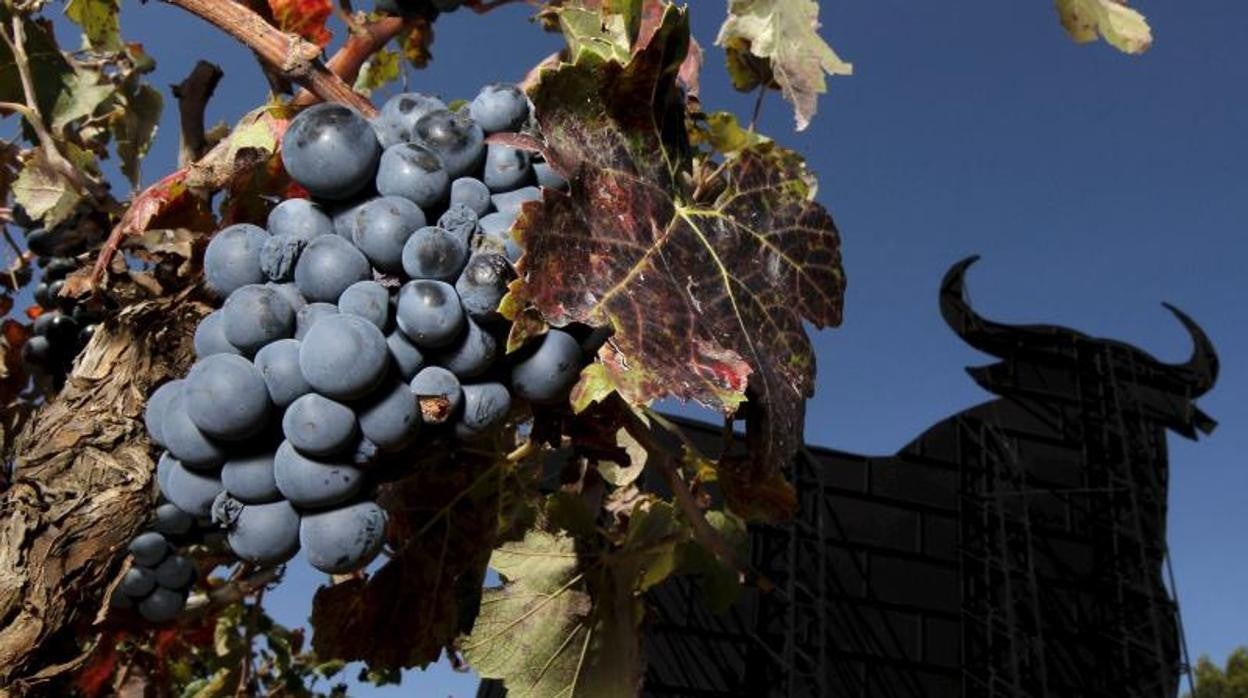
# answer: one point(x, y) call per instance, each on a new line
point(460, 221)
point(299, 218)
point(439, 394)
point(158, 407)
point(37, 351)
point(343, 356)
point(318, 426)
point(172, 521)
point(381, 228)
point(330, 150)
point(345, 539)
point(343, 218)
point(500, 107)
point(256, 315)
point(249, 477)
point(210, 337)
point(291, 294)
point(455, 137)
point(547, 375)
point(163, 605)
point(407, 358)
point(506, 168)
point(191, 491)
point(226, 397)
point(471, 192)
point(434, 253)
point(279, 255)
point(191, 446)
point(483, 284)
point(164, 465)
point(511, 201)
point(263, 534)
point(232, 259)
point(391, 419)
point(137, 582)
point(396, 123)
point(548, 177)
point(413, 172)
point(309, 315)
point(149, 549)
point(176, 573)
point(429, 313)
point(369, 300)
point(499, 222)
point(314, 484)
point(278, 364)
point(485, 406)
point(328, 266)
point(472, 355)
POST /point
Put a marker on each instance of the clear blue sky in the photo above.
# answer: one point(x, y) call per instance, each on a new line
point(1095, 185)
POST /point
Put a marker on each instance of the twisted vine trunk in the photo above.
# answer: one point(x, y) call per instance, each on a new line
point(82, 489)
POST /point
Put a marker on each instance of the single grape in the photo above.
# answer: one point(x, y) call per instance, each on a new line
point(546, 375)
point(263, 534)
point(460, 221)
point(343, 356)
point(172, 521)
point(471, 192)
point(328, 266)
point(290, 292)
point(310, 315)
point(163, 605)
point(455, 137)
point(330, 150)
point(191, 491)
point(318, 426)
point(343, 217)
point(548, 177)
point(506, 168)
point(485, 406)
point(314, 484)
point(61, 330)
point(381, 228)
point(407, 358)
point(157, 407)
point(439, 394)
point(278, 364)
point(279, 255)
point(226, 397)
point(149, 549)
point(484, 283)
point(176, 573)
point(42, 299)
point(511, 201)
point(37, 351)
point(396, 123)
point(120, 600)
point(429, 313)
point(500, 107)
point(472, 355)
point(137, 582)
point(58, 268)
point(390, 419)
point(434, 253)
point(256, 315)
point(164, 465)
point(299, 218)
point(191, 446)
point(345, 539)
point(369, 300)
point(499, 222)
point(232, 259)
point(249, 477)
point(413, 172)
point(210, 337)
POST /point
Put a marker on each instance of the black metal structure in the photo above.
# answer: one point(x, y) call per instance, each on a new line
point(1014, 549)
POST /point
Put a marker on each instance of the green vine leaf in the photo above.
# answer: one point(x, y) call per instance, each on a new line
point(382, 67)
point(1123, 28)
point(706, 290)
point(134, 127)
point(784, 34)
point(44, 192)
point(101, 29)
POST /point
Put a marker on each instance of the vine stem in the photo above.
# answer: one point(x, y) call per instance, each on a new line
point(292, 56)
point(364, 40)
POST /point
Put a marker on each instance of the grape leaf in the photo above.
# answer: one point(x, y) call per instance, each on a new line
point(705, 291)
point(1123, 28)
point(44, 192)
point(101, 29)
point(134, 126)
point(50, 72)
point(83, 94)
point(784, 33)
point(379, 69)
point(306, 18)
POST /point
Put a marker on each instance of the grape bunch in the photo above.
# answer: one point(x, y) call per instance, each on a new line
point(158, 580)
point(360, 325)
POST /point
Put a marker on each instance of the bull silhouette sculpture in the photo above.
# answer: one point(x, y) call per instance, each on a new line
point(1016, 548)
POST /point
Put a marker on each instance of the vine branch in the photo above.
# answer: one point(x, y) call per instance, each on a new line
point(293, 57)
point(363, 41)
point(193, 94)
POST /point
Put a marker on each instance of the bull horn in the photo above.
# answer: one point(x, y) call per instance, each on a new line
point(1201, 371)
point(983, 334)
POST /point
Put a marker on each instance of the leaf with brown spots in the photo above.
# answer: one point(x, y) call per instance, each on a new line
point(707, 288)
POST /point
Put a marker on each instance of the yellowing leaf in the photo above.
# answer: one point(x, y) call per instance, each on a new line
point(306, 18)
point(381, 68)
point(43, 192)
point(785, 33)
point(98, 19)
point(1123, 28)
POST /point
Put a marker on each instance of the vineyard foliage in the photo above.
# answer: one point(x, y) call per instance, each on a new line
point(692, 243)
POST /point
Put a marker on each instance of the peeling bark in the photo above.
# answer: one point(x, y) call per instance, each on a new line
point(82, 489)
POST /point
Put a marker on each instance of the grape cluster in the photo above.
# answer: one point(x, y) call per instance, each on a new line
point(361, 324)
point(159, 579)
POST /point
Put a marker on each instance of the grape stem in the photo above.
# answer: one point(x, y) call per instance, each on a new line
point(365, 40)
point(234, 590)
point(293, 57)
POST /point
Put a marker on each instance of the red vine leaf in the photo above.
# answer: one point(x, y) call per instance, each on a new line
point(306, 18)
point(705, 291)
point(13, 336)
